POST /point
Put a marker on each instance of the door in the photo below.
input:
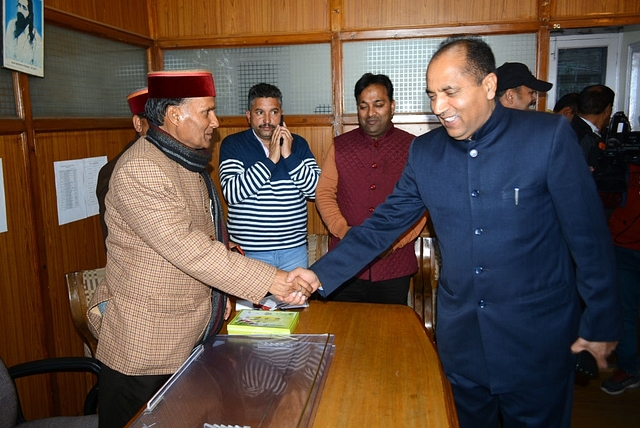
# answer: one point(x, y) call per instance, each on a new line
point(580, 60)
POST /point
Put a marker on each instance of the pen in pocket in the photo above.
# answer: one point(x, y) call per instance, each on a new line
point(516, 193)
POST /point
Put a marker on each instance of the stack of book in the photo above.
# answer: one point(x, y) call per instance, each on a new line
point(250, 321)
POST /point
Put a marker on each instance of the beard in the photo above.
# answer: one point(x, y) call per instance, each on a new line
point(21, 24)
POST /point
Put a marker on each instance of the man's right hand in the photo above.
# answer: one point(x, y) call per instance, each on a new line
point(294, 291)
point(307, 276)
point(276, 150)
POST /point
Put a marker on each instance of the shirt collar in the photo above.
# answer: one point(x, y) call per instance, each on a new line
point(494, 122)
point(591, 125)
point(266, 150)
point(387, 133)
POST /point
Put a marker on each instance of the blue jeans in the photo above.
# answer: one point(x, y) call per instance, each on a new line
point(287, 260)
point(628, 264)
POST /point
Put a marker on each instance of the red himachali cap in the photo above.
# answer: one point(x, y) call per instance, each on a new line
point(181, 84)
point(137, 100)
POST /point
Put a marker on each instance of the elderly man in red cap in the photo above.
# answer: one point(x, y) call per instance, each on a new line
point(517, 87)
point(137, 101)
point(168, 262)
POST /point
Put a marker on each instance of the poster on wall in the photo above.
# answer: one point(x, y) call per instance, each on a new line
point(23, 39)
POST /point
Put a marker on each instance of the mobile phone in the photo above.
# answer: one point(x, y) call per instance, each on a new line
point(586, 365)
point(281, 124)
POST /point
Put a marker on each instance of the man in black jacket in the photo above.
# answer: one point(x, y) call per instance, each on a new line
point(595, 105)
point(137, 101)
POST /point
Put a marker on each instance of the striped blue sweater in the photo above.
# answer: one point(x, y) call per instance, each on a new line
point(267, 201)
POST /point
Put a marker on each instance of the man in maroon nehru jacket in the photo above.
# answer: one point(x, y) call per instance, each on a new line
point(168, 265)
point(359, 172)
point(136, 101)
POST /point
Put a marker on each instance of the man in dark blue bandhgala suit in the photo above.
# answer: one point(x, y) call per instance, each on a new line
point(523, 239)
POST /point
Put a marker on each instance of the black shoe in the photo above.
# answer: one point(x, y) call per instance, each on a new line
point(620, 381)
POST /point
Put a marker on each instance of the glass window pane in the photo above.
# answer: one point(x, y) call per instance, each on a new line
point(580, 67)
point(86, 76)
point(7, 100)
point(302, 72)
point(405, 62)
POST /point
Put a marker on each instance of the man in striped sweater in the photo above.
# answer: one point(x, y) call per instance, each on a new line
point(267, 174)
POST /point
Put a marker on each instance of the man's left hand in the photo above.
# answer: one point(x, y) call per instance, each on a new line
point(599, 350)
point(227, 309)
point(287, 140)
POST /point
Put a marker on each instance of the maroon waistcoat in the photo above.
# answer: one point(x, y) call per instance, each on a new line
point(368, 170)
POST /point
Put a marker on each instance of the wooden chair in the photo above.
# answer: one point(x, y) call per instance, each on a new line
point(317, 246)
point(424, 284)
point(81, 285)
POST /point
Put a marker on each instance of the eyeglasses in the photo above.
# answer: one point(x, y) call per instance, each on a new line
point(22, 6)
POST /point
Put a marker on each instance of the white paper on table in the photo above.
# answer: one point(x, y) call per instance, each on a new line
point(269, 303)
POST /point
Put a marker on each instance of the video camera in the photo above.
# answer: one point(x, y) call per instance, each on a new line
point(622, 147)
point(621, 141)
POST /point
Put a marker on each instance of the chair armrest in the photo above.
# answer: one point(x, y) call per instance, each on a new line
point(55, 365)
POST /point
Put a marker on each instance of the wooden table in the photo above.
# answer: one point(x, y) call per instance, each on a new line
point(385, 371)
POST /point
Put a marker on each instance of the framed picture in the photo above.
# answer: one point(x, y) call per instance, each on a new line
point(23, 41)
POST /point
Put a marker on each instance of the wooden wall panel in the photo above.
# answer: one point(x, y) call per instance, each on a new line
point(35, 320)
point(381, 14)
point(21, 317)
point(83, 8)
point(126, 15)
point(70, 247)
point(197, 18)
point(320, 139)
point(593, 9)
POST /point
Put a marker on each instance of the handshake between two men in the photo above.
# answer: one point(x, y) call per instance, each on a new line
point(294, 287)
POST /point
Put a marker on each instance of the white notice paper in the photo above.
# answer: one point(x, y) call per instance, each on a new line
point(3, 202)
point(91, 169)
point(76, 188)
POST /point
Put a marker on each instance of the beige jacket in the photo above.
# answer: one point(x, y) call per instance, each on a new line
point(162, 259)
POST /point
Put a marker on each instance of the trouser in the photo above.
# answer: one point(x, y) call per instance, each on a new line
point(546, 407)
point(628, 267)
point(120, 396)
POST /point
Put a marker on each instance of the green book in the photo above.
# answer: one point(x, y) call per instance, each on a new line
point(250, 321)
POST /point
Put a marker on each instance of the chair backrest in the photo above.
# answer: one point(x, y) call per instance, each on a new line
point(424, 284)
point(8, 398)
point(81, 285)
point(317, 246)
